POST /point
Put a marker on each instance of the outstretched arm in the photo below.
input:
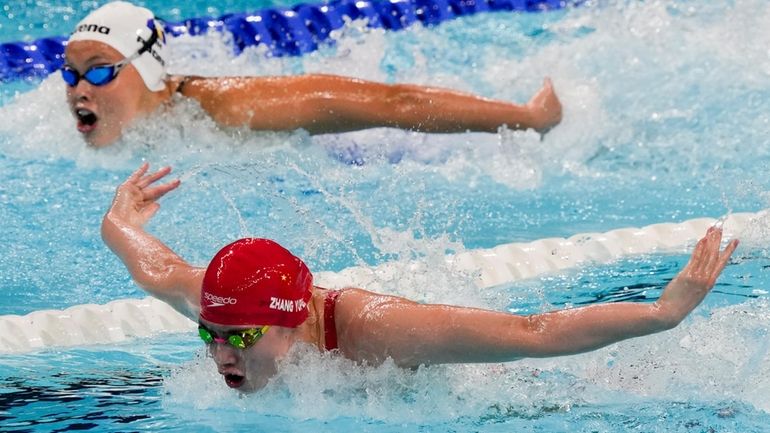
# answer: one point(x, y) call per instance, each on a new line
point(153, 265)
point(414, 334)
point(329, 103)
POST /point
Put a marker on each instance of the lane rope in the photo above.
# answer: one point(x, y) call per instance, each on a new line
point(126, 319)
point(285, 31)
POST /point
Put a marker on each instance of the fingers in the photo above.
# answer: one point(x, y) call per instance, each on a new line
point(144, 181)
point(707, 261)
point(156, 192)
point(135, 176)
point(141, 179)
point(149, 211)
point(147, 192)
point(713, 240)
point(700, 255)
point(726, 254)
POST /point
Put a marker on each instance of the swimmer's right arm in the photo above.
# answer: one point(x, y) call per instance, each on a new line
point(152, 264)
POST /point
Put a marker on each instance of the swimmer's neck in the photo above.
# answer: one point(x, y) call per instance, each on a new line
point(152, 101)
point(311, 330)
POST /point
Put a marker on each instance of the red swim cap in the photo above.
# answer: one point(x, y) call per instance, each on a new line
point(256, 282)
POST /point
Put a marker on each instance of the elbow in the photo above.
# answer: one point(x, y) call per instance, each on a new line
point(155, 275)
point(666, 325)
point(535, 338)
point(424, 110)
point(405, 100)
point(148, 280)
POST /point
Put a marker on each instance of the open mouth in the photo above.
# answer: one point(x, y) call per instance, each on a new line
point(86, 120)
point(234, 380)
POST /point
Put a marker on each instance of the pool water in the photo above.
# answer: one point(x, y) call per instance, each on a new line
point(666, 118)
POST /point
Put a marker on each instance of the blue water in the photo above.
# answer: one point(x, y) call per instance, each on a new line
point(666, 119)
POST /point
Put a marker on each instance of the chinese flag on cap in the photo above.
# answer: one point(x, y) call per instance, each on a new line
point(255, 281)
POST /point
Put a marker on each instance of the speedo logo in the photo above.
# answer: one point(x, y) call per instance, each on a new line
point(219, 301)
point(93, 28)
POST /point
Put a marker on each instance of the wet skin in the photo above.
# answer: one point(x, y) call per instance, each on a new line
point(102, 112)
point(249, 369)
point(318, 103)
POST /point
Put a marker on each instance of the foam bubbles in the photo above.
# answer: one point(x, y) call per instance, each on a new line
point(38, 122)
point(323, 386)
point(723, 356)
point(654, 93)
point(720, 358)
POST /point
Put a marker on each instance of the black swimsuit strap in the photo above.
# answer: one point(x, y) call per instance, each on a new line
point(182, 82)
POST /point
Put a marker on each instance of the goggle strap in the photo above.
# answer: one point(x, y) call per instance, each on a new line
point(119, 65)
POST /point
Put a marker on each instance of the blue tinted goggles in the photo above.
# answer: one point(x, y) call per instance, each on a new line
point(100, 75)
point(96, 75)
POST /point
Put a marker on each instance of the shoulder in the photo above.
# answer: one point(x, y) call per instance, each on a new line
point(183, 84)
point(360, 304)
point(361, 317)
point(354, 295)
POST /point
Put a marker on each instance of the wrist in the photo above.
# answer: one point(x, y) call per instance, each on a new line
point(666, 316)
point(111, 219)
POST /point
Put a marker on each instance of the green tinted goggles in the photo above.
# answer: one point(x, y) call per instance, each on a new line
point(241, 339)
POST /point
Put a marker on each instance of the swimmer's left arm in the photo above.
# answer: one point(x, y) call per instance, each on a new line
point(152, 264)
point(414, 334)
point(322, 103)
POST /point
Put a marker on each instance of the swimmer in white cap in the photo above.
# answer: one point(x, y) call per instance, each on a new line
point(115, 73)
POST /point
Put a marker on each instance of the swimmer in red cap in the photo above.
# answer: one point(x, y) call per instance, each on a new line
point(115, 72)
point(256, 299)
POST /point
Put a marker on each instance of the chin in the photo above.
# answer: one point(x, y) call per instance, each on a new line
point(253, 387)
point(99, 140)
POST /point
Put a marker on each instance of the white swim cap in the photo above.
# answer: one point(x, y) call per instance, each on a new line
point(128, 28)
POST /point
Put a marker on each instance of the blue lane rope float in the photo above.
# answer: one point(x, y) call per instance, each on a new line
point(286, 32)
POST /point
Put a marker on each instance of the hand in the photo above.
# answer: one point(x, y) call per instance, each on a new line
point(693, 283)
point(545, 108)
point(136, 199)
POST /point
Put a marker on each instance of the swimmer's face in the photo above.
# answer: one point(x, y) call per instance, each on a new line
point(250, 369)
point(102, 112)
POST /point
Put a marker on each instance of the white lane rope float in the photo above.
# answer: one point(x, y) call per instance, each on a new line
point(124, 319)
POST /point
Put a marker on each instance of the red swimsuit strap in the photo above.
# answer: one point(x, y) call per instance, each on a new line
point(330, 329)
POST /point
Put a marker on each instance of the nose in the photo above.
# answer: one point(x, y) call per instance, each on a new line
point(224, 354)
point(81, 91)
